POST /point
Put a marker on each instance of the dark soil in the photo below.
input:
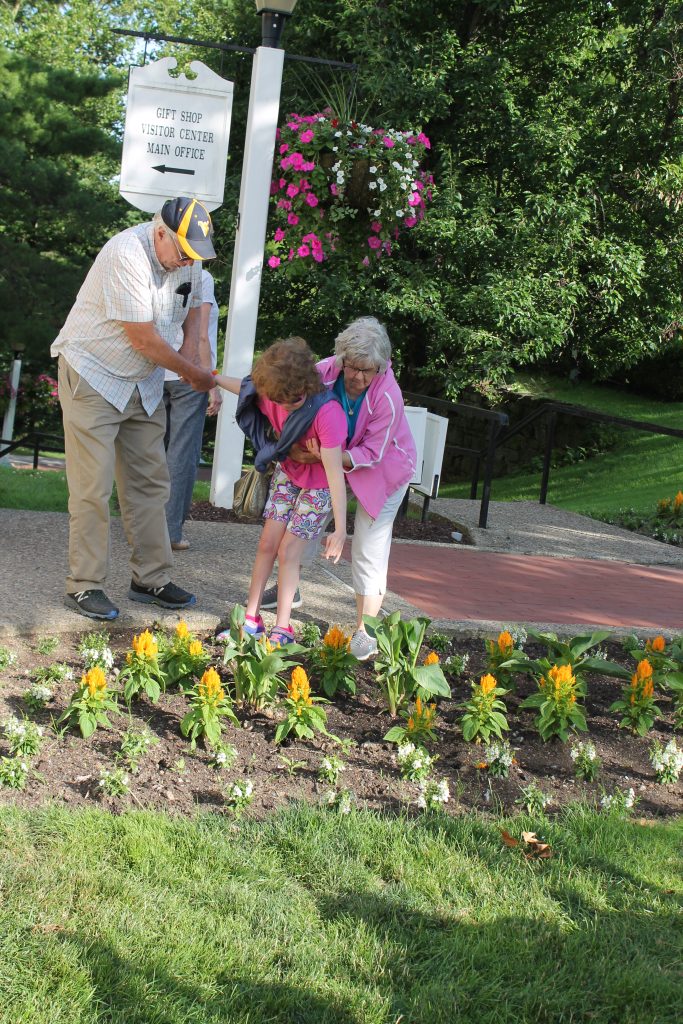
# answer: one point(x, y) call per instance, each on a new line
point(172, 778)
point(437, 528)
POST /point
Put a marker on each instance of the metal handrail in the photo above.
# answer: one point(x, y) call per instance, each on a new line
point(36, 441)
point(497, 422)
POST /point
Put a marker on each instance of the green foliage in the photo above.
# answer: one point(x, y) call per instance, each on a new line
point(209, 703)
point(7, 657)
point(181, 657)
point(303, 715)
point(135, 744)
point(398, 675)
point(419, 727)
point(333, 660)
point(141, 673)
point(90, 703)
point(559, 712)
point(485, 713)
point(575, 653)
point(255, 664)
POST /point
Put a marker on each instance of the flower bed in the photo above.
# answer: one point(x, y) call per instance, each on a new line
point(344, 188)
point(348, 760)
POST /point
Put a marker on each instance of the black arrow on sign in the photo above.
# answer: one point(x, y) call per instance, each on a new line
point(171, 170)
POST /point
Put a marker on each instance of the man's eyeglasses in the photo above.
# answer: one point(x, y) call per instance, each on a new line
point(182, 256)
point(364, 371)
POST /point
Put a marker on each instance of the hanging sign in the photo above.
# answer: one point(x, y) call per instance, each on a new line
point(176, 136)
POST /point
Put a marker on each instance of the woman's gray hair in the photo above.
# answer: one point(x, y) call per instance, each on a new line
point(365, 339)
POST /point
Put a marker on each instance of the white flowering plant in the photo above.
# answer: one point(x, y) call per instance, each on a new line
point(586, 761)
point(340, 800)
point(414, 763)
point(340, 185)
point(433, 794)
point(23, 736)
point(223, 756)
point(95, 651)
point(37, 696)
point(620, 802)
point(667, 761)
point(498, 758)
point(533, 799)
point(239, 795)
point(330, 769)
point(135, 744)
point(7, 657)
point(114, 782)
point(13, 772)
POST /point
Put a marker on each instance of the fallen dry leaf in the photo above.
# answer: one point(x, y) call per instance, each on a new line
point(508, 839)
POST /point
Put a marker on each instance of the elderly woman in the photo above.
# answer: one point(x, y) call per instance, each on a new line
point(379, 461)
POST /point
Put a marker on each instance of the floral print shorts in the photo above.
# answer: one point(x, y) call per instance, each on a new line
point(304, 511)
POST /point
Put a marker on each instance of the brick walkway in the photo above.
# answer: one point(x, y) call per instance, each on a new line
point(470, 585)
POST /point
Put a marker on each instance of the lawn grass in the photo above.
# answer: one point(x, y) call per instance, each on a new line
point(642, 469)
point(309, 917)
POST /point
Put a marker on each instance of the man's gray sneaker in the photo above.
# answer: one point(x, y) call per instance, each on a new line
point(363, 646)
point(93, 603)
point(269, 599)
point(168, 596)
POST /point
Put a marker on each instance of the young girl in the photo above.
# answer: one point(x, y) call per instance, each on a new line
point(301, 496)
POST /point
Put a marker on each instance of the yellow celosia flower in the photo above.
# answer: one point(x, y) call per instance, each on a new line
point(506, 644)
point(644, 669)
point(181, 630)
point(431, 659)
point(336, 638)
point(657, 645)
point(487, 683)
point(678, 500)
point(210, 688)
point(562, 683)
point(299, 687)
point(145, 645)
point(196, 648)
point(96, 681)
point(664, 505)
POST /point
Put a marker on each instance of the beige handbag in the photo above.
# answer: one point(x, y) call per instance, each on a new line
point(251, 492)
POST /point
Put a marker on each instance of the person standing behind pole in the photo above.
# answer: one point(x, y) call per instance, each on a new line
point(185, 413)
point(112, 350)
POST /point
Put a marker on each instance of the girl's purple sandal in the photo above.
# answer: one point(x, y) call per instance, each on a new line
point(281, 636)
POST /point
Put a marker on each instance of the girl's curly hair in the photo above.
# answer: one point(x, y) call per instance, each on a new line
point(286, 371)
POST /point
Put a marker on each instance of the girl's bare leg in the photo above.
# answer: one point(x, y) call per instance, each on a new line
point(266, 553)
point(289, 564)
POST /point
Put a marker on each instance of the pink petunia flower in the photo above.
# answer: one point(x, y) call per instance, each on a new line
point(414, 199)
point(334, 190)
point(366, 261)
point(279, 234)
point(389, 143)
point(374, 242)
point(410, 222)
point(274, 262)
point(312, 238)
point(318, 254)
point(284, 204)
point(292, 190)
point(290, 257)
point(292, 219)
point(308, 165)
point(306, 136)
point(274, 188)
point(283, 148)
point(303, 251)
point(311, 199)
point(424, 140)
point(283, 182)
point(376, 226)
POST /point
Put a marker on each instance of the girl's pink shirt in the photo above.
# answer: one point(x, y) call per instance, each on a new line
point(329, 430)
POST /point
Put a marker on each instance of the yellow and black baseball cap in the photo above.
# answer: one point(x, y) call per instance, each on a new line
point(191, 222)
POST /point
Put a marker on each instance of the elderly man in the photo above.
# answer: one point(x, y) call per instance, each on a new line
point(113, 350)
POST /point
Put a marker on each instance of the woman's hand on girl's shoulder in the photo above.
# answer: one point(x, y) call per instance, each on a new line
point(334, 545)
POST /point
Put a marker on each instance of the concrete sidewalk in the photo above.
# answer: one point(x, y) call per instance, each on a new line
point(578, 573)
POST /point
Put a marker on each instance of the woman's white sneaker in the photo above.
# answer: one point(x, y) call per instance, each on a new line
point(363, 646)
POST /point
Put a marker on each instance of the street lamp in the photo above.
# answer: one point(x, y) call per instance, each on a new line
point(250, 239)
point(273, 13)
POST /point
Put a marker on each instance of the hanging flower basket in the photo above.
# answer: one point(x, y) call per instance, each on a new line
point(344, 188)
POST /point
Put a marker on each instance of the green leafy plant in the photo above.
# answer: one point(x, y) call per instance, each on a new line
point(114, 782)
point(439, 642)
point(7, 658)
point(303, 716)
point(398, 673)
point(533, 799)
point(620, 802)
point(90, 703)
point(419, 727)
point(332, 658)
point(637, 704)
point(339, 800)
point(505, 656)
point(23, 736)
point(209, 704)
point(559, 712)
point(291, 765)
point(256, 665)
point(586, 761)
point(136, 744)
point(575, 652)
point(59, 672)
point(47, 644)
point(485, 712)
point(455, 664)
point(14, 772)
point(141, 673)
point(182, 658)
point(310, 634)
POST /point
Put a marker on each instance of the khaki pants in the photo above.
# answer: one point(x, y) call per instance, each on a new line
point(103, 445)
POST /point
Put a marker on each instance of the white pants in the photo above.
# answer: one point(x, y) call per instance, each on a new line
point(370, 546)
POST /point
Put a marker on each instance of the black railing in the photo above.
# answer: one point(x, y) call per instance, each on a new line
point(497, 422)
point(37, 441)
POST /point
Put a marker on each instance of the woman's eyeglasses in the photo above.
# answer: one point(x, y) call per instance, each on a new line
point(364, 371)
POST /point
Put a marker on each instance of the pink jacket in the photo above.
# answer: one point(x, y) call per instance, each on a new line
point(382, 448)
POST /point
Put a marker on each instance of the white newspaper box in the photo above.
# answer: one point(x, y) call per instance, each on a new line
point(429, 434)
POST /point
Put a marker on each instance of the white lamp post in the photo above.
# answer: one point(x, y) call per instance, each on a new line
point(245, 286)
